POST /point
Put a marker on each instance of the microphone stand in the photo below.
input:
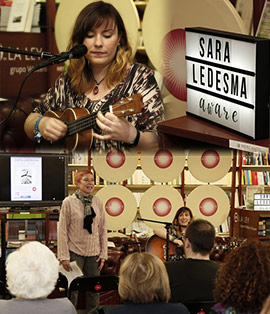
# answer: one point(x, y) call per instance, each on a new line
point(167, 227)
point(28, 53)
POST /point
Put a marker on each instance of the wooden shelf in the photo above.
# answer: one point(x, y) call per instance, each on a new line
point(77, 166)
point(188, 131)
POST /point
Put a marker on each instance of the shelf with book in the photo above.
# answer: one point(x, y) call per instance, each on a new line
point(254, 176)
point(20, 227)
point(78, 160)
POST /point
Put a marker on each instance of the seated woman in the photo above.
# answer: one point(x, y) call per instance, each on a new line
point(243, 280)
point(32, 272)
point(181, 220)
point(104, 76)
point(144, 287)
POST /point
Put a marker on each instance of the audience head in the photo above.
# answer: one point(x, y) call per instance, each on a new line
point(143, 279)
point(201, 236)
point(243, 280)
point(32, 271)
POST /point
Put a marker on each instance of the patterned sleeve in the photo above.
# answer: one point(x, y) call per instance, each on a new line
point(144, 82)
point(59, 96)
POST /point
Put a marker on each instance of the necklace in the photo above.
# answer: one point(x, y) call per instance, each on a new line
point(96, 90)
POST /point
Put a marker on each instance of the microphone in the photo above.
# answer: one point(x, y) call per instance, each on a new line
point(75, 52)
point(29, 53)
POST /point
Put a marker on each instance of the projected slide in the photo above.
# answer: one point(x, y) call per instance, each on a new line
point(26, 178)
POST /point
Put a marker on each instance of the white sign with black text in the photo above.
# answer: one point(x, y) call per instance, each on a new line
point(221, 80)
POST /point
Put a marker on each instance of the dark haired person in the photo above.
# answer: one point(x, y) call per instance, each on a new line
point(243, 280)
point(82, 232)
point(193, 279)
point(105, 75)
point(181, 220)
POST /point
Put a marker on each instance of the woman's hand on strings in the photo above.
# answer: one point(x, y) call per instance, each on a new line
point(114, 128)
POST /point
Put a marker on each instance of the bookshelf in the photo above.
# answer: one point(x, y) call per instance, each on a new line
point(250, 224)
point(253, 173)
point(20, 227)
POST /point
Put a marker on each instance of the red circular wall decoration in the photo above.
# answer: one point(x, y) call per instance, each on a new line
point(210, 158)
point(114, 206)
point(162, 207)
point(115, 166)
point(208, 206)
point(115, 159)
point(163, 165)
point(120, 206)
point(209, 165)
point(209, 202)
point(160, 203)
point(173, 54)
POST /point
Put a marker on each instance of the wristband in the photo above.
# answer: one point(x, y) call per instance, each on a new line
point(36, 130)
point(174, 238)
point(136, 140)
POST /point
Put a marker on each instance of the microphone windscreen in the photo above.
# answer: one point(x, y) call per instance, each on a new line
point(78, 51)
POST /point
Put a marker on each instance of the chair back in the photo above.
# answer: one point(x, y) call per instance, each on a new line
point(61, 287)
point(199, 307)
point(4, 293)
point(62, 282)
point(94, 284)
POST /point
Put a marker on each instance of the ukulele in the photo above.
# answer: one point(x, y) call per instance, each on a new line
point(80, 122)
point(157, 246)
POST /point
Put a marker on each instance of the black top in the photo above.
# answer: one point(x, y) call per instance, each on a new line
point(157, 308)
point(191, 280)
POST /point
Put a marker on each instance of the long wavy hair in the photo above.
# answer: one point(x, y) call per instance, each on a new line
point(92, 16)
point(175, 222)
point(243, 280)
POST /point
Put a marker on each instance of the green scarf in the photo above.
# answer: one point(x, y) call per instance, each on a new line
point(89, 213)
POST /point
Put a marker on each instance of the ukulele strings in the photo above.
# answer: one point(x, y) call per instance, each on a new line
point(85, 122)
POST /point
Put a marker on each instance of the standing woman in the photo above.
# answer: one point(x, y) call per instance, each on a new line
point(182, 219)
point(82, 233)
point(105, 75)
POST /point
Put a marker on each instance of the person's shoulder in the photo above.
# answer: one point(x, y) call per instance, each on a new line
point(69, 199)
point(214, 264)
point(142, 68)
point(177, 307)
point(175, 264)
point(97, 200)
point(63, 303)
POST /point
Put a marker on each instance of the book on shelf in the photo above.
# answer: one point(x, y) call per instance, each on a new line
point(255, 158)
point(250, 177)
point(250, 191)
point(21, 16)
point(139, 177)
point(79, 158)
point(53, 227)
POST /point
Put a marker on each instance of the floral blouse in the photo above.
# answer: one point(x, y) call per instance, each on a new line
point(139, 79)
